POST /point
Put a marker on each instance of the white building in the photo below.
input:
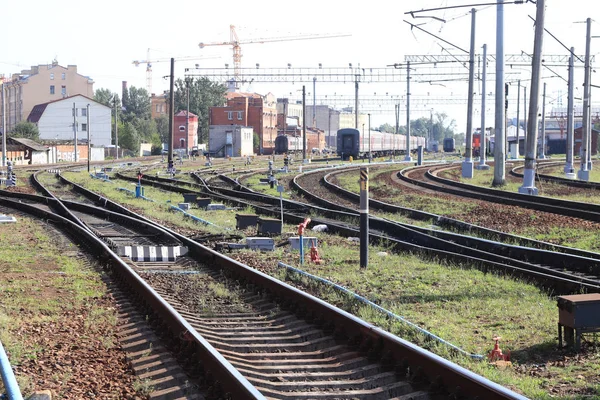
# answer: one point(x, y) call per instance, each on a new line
point(55, 120)
point(230, 140)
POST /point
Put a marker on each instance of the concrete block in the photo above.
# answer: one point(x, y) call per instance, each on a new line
point(213, 206)
point(7, 218)
point(307, 241)
point(184, 206)
point(260, 243)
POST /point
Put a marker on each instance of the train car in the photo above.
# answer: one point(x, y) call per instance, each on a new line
point(449, 145)
point(350, 142)
point(285, 144)
point(477, 143)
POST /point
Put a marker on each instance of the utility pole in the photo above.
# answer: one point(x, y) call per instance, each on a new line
point(303, 123)
point(171, 116)
point(116, 128)
point(499, 120)
point(370, 154)
point(430, 147)
point(542, 150)
point(584, 173)
point(482, 165)
point(88, 136)
point(75, 158)
point(314, 118)
point(536, 66)
point(408, 157)
point(3, 128)
point(467, 165)
point(569, 165)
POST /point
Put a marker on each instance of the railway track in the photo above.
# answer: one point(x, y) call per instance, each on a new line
point(556, 179)
point(428, 177)
point(286, 343)
point(561, 269)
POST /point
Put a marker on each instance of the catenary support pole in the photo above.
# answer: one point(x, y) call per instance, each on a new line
point(356, 102)
point(370, 144)
point(303, 123)
point(518, 119)
point(364, 217)
point(482, 149)
point(116, 128)
point(532, 127)
point(75, 158)
point(3, 128)
point(408, 157)
point(171, 115)
point(89, 144)
point(590, 123)
point(525, 138)
point(542, 149)
point(584, 173)
point(467, 165)
point(569, 165)
point(499, 120)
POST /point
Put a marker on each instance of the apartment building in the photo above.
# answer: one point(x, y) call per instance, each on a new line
point(42, 84)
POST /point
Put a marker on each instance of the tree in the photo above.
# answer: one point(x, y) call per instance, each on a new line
point(145, 127)
point(106, 97)
point(136, 104)
point(387, 128)
point(162, 127)
point(203, 94)
point(129, 138)
point(26, 130)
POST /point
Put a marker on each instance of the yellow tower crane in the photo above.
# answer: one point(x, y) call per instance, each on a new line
point(237, 50)
point(149, 63)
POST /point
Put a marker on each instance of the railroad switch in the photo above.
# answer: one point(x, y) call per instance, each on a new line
point(496, 354)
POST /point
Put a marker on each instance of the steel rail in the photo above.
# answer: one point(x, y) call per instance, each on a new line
point(407, 357)
point(590, 212)
point(225, 375)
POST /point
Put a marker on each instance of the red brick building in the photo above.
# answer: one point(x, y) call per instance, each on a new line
point(185, 138)
point(253, 110)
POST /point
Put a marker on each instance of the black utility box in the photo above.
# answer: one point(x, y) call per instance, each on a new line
point(269, 226)
point(243, 221)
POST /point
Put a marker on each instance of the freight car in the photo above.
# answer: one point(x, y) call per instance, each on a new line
point(350, 142)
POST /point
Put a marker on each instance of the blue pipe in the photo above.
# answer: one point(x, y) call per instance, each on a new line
point(133, 193)
point(381, 309)
point(187, 214)
point(8, 377)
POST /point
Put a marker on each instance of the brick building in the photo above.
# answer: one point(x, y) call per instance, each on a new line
point(185, 133)
point(159, 105)
point(253, 110)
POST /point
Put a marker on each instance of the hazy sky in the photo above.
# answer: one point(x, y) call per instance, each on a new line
point(103, 38)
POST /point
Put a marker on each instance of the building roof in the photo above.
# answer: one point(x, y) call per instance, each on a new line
point(33, 145)
point(38, 110)
point(184, 113)
point(233, 95)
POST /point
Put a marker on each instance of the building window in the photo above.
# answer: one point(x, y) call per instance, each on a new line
point(230, 115)
point(63, 76)
point(51, 89)
point(51, 77)
point(83, 127)
point(63, 90)
point(84, 112)
point(239, 115)
point(158, 108)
